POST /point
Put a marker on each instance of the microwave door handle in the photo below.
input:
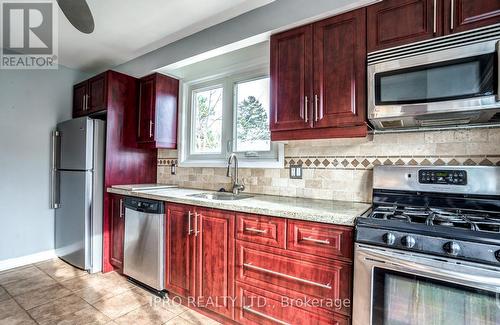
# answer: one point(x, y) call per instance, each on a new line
point(498, 70)
point(486, 282)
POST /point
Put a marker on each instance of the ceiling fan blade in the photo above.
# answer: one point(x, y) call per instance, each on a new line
point(78, 14)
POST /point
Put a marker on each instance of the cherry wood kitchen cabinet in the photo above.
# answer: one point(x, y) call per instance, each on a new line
point(117, 230)
point(179, 275)
point(399, 22)
point(214, 232)
point(124, 163)
point(91, 96)
point(462, 15)
point(200, 256)
point(318, 81)
point(157, 116)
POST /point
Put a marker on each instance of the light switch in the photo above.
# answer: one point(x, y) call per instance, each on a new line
point(296, 171)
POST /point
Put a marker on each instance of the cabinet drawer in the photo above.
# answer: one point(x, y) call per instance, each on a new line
point(255, 306)
point(320, 239)
point(261, 230)
point(308, 275)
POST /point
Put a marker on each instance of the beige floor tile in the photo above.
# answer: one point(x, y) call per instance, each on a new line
point(67, 310)
point(91, 294)
point(16, 269)
point(85, 281)
point(145, 315)
point(197, 318)
point(60, 270)
point(37, 297)
point(18, 274)
point(121, 304)
point(172, 306)
point(178, 321)
point(36, 282)
point(3, 294)
point(11, 314)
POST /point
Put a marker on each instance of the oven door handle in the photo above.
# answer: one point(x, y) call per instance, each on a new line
point(488, 280)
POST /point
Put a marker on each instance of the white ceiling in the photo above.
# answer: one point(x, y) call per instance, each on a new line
point(126, 29)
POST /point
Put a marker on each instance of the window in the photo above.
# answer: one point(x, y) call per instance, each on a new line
point(228, 115)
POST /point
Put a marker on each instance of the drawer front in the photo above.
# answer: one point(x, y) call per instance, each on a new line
point(320, 239)
point(261, 230)
point(307, 275)
point(255, 306)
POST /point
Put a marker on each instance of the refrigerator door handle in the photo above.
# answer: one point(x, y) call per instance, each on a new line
point(54, 174)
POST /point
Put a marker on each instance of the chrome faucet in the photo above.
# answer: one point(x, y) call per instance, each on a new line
point(237, 187)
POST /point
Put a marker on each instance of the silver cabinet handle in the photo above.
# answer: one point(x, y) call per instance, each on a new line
point(291, 277)
point(258, 313)
point(260, 231)
point(83, 102)
point(121, 208)
point(315, 108)
point(150, 129)
point(306, 103)
point(452, 13)
point(190, 231)
point(434, 26)
point(318, 241)
point(196, 232)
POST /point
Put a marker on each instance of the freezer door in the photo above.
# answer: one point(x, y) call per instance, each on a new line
point(73, 218)
point(76, 144)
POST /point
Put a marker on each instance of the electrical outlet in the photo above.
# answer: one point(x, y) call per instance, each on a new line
point(296, 171)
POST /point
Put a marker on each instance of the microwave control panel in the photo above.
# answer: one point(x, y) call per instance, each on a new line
point(442, 177)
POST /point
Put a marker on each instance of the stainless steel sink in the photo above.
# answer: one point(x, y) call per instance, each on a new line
point(221, 196)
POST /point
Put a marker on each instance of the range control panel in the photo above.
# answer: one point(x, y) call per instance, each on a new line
point(444, 177)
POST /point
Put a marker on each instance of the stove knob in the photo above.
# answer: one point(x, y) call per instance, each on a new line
point(452, 248)
point(408, 241)
point(497, 255)
point(389, 238)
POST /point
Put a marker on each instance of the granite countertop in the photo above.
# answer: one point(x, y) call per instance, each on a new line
point(326, 211)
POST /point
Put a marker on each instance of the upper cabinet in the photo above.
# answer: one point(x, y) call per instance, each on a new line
point(470, 14)
point(398, 22)
point(91, 96)
point(318, 81)
point(157, 116)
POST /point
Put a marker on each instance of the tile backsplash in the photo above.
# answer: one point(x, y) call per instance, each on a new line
point(341, 169)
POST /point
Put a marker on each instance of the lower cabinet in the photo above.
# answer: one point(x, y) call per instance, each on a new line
point(117, 231)
point(200, 256)
point(254, 269)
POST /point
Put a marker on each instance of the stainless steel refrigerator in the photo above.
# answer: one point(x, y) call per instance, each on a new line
point(77, 191)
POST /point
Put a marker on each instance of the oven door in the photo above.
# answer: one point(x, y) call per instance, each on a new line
point(449, 86)
point(395, 287)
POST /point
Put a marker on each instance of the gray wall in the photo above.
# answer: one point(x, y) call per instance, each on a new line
point(31, 103)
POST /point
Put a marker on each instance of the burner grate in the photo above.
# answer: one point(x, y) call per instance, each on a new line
point(453, 218)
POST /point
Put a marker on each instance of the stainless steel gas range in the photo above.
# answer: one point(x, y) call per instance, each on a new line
point(429, 250)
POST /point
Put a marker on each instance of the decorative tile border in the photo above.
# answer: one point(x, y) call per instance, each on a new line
point(166, 161)
point(368, 162)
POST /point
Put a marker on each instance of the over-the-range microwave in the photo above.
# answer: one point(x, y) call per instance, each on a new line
point(446, 81)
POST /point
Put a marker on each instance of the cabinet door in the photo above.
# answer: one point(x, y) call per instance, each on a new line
point(97, 93)
point(462, 15)
point(339, 70)
point(397, 22)
point(215, 260)
point(291, 79)
point(117, 227)
point(79, 98)
point(145, 129)
point(179, 249)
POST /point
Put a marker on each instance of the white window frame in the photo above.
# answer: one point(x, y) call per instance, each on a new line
point(271, 159)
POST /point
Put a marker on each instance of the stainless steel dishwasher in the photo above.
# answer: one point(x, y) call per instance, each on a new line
point(143, 259)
